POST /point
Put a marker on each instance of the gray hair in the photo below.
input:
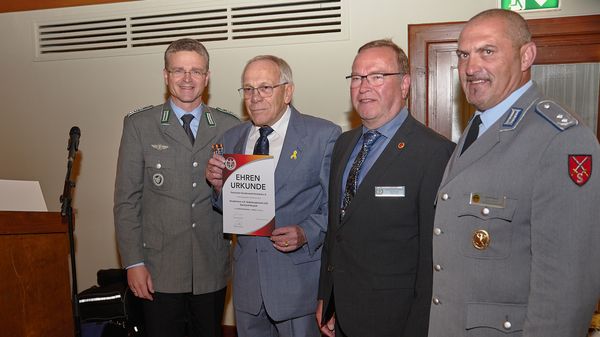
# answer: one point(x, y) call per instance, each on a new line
point(285, 72)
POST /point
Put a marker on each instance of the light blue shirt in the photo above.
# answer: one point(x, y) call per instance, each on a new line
point(388, 130)
point(196, 112)
point(491, 115)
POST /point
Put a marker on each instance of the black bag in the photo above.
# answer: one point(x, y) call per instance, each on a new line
point(112, 302)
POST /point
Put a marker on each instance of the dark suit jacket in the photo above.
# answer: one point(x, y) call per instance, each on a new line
point(377, 260)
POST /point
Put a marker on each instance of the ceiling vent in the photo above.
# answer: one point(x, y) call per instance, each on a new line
point(251, 24)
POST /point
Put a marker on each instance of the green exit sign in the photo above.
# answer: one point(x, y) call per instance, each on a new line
point(528, 5)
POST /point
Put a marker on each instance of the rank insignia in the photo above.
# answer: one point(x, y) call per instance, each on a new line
point(580, 168)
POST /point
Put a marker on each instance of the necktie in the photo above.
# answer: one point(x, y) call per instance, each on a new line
point(187, 119)
point(369, 139)
point(262, 144)
point(472, 133)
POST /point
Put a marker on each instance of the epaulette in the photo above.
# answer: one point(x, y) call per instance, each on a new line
point(227, 112)
point(133, 112)
point(556, 115)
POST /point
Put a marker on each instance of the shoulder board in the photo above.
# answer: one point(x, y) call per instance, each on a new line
point(227, 112)
point(556, 115)
point(133, 112)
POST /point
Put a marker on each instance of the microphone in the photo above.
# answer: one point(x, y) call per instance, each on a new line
point(73, 142)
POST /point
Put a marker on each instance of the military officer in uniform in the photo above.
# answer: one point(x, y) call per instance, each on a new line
point(170, 239)
point(516, 232)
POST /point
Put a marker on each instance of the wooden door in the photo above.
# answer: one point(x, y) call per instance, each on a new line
point(436, 98)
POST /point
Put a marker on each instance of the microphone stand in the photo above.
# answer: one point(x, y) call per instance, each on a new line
point(67, 213)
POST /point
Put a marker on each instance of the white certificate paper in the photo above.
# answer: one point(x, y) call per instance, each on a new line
point(248, 194)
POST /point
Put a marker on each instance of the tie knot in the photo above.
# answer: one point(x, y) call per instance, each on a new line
point(476, 120)
point(265, 130)
point(187, 118)
point(370, 137)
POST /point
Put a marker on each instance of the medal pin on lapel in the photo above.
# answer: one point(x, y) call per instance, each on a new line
point(294, 155)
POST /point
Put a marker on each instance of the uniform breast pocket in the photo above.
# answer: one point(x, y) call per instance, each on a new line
point(505, 318)
point(159, 172)
point(489, 228)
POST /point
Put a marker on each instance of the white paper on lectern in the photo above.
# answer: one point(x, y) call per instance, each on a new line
point(21, 195)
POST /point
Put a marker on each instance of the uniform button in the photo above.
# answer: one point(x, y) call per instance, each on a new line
point(194, 185)
point(194, 225)
point(330, 268)
point(445, 196)
point(436, 301)
point(144, 245)
point(437, 267)
point(193, 204)
point(507, 325)
point(485, 211)
point(437, 231)
point(158, 165)
point(195, 164)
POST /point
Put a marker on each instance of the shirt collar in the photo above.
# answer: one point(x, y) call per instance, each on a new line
point(388, 130)
point(281, 125)
point(491, 115)
point(197, 112)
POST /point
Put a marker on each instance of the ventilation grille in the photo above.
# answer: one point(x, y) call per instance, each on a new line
point(222, 27)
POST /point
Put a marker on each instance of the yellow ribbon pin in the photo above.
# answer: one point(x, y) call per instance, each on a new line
point(294, 155)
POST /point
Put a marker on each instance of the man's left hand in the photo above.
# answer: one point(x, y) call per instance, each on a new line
point(288, 239)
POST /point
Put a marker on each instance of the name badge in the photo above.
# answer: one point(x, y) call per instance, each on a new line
point(390, 191)
point(482, 200)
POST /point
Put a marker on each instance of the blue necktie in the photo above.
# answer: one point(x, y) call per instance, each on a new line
point(369, 139)
point(187, 119)
point(262, 144)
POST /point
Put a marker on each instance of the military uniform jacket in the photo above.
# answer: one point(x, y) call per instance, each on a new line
point(376, 263)
point(163, 213)
point(515, 246)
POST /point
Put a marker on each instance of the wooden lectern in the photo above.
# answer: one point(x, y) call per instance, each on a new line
point(35, 290)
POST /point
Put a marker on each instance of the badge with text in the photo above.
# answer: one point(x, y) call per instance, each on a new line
point(580, 168)
point(249, 194)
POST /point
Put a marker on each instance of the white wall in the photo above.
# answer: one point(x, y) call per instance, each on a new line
point(42, 100)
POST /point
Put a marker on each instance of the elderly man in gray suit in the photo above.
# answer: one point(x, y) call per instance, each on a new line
point(515, 247)
point(276, 278)
point(169, 237)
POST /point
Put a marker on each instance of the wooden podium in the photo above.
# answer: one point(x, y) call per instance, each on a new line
point(35, 290)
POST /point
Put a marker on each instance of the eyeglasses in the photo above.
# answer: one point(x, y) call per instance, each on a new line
point(263, 90)
point(374, 79)
point(194, 73)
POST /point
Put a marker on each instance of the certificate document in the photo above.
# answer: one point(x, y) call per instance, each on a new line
point(248, 194)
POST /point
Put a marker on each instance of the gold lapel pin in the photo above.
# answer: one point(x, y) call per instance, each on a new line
point(294, 155)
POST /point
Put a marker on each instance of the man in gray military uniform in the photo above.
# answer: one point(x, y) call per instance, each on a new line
point(169, 237)
point(516, 231)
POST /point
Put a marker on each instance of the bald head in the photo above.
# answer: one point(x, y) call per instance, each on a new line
point(515, 27)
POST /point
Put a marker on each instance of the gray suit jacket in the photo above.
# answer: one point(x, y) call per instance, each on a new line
point(288, 282)
point(538, 276)
point(163, 214)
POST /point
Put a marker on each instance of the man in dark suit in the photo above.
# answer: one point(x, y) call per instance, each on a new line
point(376, 266)
point(169, 237)
point(276, 278)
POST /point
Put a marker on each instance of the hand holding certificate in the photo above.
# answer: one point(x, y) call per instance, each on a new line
point(248, 194)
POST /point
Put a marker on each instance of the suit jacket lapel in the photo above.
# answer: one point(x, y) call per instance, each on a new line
point(240, 145)
point(388, 157)
point(293, 141)
point(338, 165)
